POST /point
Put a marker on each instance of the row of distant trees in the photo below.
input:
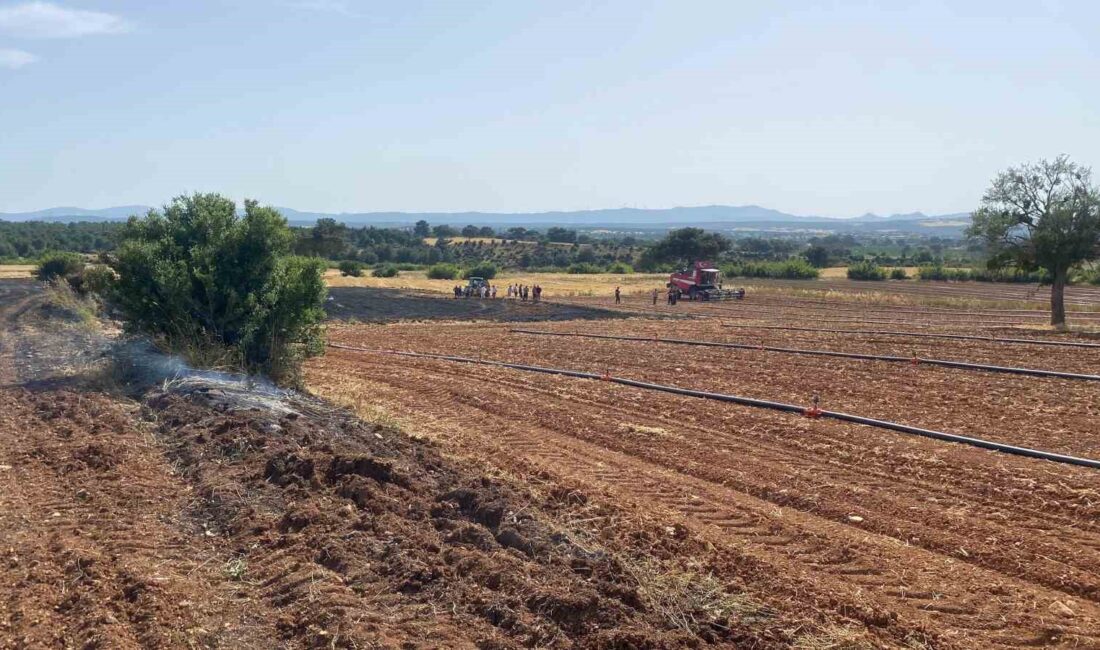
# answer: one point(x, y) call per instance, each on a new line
point(556, 234)
point(205, 271)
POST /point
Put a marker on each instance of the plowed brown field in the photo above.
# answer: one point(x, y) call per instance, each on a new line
point(917, 540)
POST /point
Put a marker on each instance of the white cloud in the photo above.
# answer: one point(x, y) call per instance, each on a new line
point(47, 20)
point(13, 59)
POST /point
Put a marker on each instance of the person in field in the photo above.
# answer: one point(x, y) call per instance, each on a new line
point(618, 298)
point(654, 296)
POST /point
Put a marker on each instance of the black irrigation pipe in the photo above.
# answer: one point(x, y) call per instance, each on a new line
point(908, 308)
point(757, 403)
point(1034, 372)
point(946, 316)
point(967, 337)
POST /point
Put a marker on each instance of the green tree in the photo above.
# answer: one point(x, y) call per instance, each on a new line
point(684, 246)
point(1043, 215)
point(818, 256)
point(327, 238)
point(201, 278)
point(562, 235)
point(422, 229)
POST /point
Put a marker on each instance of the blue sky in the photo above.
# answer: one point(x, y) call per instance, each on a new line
point(816, 107)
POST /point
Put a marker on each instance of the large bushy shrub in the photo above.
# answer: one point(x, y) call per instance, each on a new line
point(443, 272)
point(792, 269)
point(898, 273)
point(58, 265)
point(385, 271)
point(350, 268)
point(945, 274)
point(484, 270)
point(866, 271)
point(214, 284)
point(620, 268)
point(582, 268)
point(97, 279)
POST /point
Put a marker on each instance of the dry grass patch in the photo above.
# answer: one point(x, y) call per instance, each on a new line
point(643, 430)
point(8, 271)
point(688, 600)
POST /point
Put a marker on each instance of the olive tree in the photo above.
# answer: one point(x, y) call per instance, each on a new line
point(208, 281)
point(1043, 215)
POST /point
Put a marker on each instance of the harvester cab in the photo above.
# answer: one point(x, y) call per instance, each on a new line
point(702, 281)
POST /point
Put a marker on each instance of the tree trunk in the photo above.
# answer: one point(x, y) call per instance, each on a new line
point(1058, 299)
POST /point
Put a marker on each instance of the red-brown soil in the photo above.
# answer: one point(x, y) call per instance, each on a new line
point(916, 539)
point(209, 515)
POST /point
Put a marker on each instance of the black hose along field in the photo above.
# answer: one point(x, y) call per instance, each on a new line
point(721, 418)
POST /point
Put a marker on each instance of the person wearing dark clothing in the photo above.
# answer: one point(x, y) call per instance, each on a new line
point(618, 299)
point(654, 296)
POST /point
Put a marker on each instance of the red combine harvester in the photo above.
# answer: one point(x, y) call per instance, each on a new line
point(702, 282)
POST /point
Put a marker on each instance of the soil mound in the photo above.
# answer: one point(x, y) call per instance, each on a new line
point(353, 533)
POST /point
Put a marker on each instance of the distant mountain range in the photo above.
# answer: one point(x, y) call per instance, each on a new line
point(720, 217)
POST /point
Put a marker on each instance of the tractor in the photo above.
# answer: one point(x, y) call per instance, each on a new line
point(701, 281)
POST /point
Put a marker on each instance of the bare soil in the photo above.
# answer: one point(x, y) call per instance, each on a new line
point(918, 541)
point(211, 514)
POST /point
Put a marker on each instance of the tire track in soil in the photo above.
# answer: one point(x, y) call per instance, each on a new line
point(1060, 414)
point(94, 555)
point(1057, 563)
point(828, 557)
point(1060, 563)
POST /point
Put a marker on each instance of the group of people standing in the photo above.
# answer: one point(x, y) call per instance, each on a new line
point(523, 292)
point(483, 291)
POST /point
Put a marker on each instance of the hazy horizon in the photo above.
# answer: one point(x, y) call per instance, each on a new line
point(340, 106)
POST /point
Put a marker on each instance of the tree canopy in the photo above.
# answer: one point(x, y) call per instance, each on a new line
point(684, 246)
point(1043, 215)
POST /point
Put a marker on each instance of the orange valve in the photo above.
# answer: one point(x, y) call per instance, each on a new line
point(814, 411)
